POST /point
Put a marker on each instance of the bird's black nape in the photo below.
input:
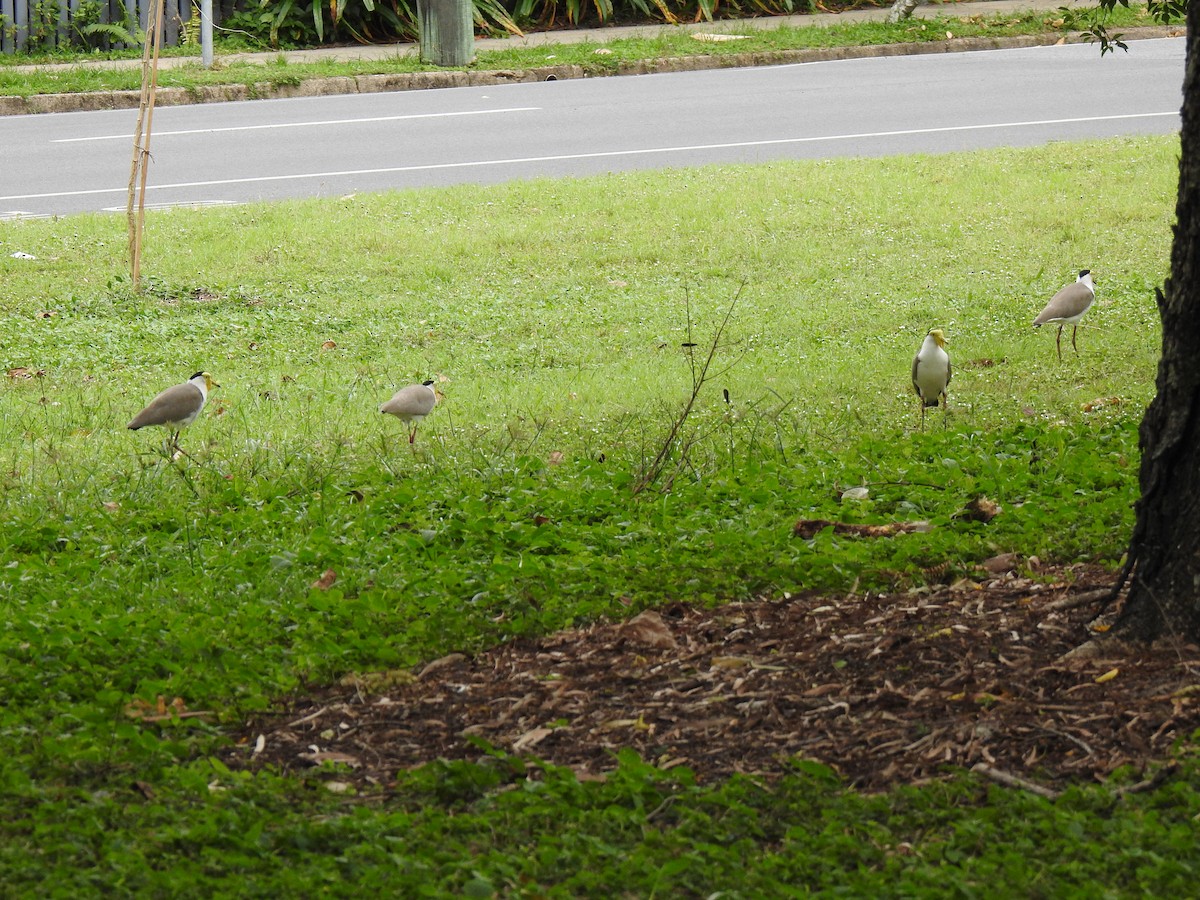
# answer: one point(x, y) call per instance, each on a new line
point(198, 375)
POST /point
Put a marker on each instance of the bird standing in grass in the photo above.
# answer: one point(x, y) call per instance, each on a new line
point(931, 371)
point(177, 407)
point(411, 404)
point(1067, 308)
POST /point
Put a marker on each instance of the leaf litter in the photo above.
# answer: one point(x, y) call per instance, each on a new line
point(885, 688)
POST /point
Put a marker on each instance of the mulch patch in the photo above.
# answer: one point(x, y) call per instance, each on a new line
point(885, 688)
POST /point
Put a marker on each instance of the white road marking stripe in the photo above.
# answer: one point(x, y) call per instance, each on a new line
point(442, 115)
point(182, 204)
point(597, 155)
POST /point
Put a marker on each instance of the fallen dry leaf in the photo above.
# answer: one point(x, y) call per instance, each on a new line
point(648, 629)
point(730, 662)
point(373, 683)
point(317, 757)
point(161, 711)
point(531, 738)
point(325, 582)
point(998, 565)
point(441, 663)
point(981, 509)
point(616, 724)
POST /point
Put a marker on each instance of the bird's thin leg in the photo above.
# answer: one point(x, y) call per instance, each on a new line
point(179, 451)
point(412, 435)
point(922, 402)
point(1058, 343)
point(1074, 328)
point(945, 411)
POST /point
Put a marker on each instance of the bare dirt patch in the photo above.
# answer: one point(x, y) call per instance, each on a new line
point(885, 688)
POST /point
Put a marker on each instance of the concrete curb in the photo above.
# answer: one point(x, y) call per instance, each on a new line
point(372, 84)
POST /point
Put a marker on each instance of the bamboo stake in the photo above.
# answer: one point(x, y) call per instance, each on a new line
point(137, 155)
point(141, 139)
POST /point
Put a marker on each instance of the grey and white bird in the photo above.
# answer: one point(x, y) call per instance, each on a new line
point(1067, 308)
point(411, 404)
point(931, 371)
point(177, 407)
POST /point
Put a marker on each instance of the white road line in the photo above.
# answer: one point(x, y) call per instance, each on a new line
point(597, 155)
point(319, 123)
point(182, 204)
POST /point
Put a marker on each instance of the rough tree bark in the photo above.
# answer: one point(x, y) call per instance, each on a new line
point(902, 9)
point(1163, 563)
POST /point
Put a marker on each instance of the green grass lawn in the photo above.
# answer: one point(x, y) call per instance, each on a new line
point(555, 315)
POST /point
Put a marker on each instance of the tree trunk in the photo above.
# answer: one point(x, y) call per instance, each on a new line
point(902, 9)
point(1164, 550)
point(447, 32)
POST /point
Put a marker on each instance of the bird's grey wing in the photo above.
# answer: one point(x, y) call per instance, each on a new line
point(166, 406)
point(1067, 302)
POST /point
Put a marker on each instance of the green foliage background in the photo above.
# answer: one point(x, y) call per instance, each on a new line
point(303, 23)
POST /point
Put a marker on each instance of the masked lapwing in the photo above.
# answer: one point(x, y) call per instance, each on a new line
point(1067, 308)
point(931, 371)
point(411, 404)
point(177, 407)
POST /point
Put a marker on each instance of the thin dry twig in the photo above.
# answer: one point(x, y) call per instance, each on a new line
point(1009, 780)
point(1149, 784)
point(316, 715)
point(700, 377)
point(167, 717)
point(810, 528)
point(1079, 600)
point(1070, 737)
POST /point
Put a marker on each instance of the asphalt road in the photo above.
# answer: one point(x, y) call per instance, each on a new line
point(66, 163)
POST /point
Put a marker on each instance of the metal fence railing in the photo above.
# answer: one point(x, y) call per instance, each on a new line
point(49, 24)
